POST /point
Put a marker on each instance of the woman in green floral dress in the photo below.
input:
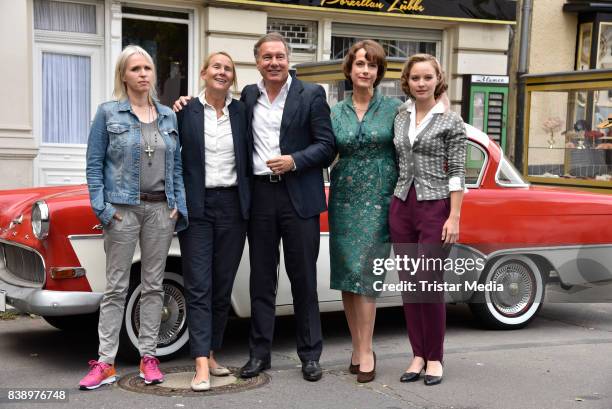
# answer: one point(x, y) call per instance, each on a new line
point(362, 183)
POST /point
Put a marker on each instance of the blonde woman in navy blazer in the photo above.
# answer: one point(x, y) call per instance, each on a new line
point(216, 170)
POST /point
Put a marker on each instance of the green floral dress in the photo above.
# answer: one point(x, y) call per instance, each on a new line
point(362, 183)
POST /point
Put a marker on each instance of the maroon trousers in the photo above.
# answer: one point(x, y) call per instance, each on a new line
point(416, 231)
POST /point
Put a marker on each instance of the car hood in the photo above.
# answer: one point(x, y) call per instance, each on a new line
point(19, 201)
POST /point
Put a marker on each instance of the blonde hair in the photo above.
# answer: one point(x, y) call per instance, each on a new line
point(120, 89)
point(441, 87)
point(206, 64)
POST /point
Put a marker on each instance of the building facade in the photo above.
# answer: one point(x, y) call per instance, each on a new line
point(59, 57)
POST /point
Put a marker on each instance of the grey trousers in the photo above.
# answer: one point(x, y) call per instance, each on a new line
point(149, 223)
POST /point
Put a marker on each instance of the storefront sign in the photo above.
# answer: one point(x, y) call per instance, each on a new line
point(490, 79)
point(493, 10)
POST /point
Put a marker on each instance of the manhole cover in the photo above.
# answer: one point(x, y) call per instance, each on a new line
point(177, 380)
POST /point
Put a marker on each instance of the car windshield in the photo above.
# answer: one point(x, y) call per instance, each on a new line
point(508, 176)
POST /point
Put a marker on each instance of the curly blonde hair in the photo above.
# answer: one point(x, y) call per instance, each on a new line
point(441, 87)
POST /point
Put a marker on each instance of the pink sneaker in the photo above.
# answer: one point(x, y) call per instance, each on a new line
point(99, 374)
point(149, 370)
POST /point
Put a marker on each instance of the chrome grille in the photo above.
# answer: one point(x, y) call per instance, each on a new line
point(23, 263)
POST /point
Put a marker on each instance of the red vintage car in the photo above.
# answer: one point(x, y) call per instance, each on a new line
point(52, 261)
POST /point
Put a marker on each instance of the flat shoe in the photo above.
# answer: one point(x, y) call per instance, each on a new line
point(431, 380)
point(220, 371)
point(410, 376)
point(200, 386)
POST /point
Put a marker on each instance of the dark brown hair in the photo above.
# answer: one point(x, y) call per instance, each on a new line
point(268, 38)
point(374, 53)
point(441, 87)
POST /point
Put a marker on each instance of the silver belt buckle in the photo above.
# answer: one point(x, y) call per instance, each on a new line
point(275, 178)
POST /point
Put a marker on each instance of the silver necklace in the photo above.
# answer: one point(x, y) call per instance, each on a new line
point(149, 149)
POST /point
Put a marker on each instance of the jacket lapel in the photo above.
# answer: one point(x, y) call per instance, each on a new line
point(235, 124)
point(197, 121)
point(291, 105)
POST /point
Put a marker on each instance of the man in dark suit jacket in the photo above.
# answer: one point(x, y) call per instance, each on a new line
point(292, 142)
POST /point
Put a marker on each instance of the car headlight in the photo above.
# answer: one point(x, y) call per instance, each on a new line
point(40, 220)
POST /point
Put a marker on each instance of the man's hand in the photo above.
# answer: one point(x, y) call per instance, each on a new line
point(180, 103)
point(281, 164)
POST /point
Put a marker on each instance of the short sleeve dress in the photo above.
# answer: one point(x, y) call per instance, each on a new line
point(362, 183)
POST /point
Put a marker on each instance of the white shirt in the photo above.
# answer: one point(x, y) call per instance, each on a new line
point(454, 183)
point(219, 156)
point(267, 117)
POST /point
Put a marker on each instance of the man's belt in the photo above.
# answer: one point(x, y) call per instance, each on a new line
point(271, 178)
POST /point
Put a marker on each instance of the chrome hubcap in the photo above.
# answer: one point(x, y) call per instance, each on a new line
point(173, 317)
point(519, 288)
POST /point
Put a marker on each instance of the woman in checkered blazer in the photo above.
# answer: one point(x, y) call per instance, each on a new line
point(424, 215)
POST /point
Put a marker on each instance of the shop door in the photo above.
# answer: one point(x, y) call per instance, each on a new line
point(488, 111)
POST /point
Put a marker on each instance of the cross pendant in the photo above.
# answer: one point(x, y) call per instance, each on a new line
point(149, 150)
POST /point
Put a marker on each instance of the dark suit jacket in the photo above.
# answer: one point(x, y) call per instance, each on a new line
point(191, 135)
point(306, 134)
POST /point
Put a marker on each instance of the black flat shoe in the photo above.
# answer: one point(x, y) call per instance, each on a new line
point(410, 376)
point(431, 380)
point(252, 368)
point(311, 371)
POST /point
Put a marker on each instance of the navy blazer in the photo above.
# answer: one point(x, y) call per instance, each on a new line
point(191, 135)
point(306, 134)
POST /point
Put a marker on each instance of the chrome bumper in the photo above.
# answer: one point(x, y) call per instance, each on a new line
point(50, 303)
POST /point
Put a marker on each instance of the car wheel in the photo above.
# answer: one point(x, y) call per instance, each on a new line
point(173, 334)
point(521, 298)
point(74, 323)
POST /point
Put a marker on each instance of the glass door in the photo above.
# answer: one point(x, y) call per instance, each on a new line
point(488, 111)
point(165, 35)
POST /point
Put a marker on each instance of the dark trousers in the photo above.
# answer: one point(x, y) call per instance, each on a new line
point(211, 249)
point(273, 217)
point(416, 231)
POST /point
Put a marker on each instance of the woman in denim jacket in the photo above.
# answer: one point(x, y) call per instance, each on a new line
point(135, 182)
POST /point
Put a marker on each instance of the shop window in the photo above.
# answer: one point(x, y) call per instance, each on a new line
point(393, 48)
point(301, 35)
point(583, 54)
point(570, 129)
point(604, 58)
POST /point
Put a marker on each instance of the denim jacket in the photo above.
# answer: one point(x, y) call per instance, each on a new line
point(113, 160)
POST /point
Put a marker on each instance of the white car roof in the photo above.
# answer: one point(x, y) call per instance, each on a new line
point(477, 135)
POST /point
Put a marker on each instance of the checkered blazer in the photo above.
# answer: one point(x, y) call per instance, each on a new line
point(438, 154)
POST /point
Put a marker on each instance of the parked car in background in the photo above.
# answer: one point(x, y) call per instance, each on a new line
point(52, 258)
